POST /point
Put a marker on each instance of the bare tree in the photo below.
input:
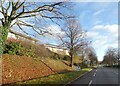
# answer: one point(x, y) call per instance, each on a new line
point(74, 37)
point(14, 12)
point(111, 56)
point(92, 56)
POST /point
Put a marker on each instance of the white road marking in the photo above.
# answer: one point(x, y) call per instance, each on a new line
point(90, 82)
point(94, 74)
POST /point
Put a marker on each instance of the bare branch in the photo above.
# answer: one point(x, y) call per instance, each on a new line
point(41, 31)
point(42, 8)
point(8, 7)
point(17, 7)
point(31, 15)
point(22, 29)
point(19, 14)
point(22, 35)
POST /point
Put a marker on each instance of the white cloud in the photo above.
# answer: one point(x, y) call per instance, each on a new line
point(111, 31)
point(110, 28)
point(115, 45)
point(53, 37)
point(104, 36)
point(98, 12)
point(98, 27)
point(100, 41)
point(55, 31)
point(92, 34)
point(105, 42)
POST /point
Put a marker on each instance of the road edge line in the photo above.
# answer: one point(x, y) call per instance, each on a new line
point(78, 77)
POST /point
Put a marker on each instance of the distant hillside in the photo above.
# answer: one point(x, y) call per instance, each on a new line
point(20, 68)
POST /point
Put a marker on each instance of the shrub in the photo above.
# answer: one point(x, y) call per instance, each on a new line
point(13, 48)
point(16, 47)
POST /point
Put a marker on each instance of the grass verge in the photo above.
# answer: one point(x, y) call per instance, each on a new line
point(57, 78)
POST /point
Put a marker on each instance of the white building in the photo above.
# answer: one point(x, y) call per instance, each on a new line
point(57, 49)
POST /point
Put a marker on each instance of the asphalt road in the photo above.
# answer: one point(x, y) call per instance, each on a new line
point(101, 75)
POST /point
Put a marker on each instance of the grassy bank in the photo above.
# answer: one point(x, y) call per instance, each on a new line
point(21, 68)
point(57, 78)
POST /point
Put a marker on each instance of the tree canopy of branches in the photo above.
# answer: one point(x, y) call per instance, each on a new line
point(14, 12)
point(111, 57)
point(74, 38)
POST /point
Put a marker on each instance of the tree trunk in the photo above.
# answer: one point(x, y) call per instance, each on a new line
point(4, 33)
point(71, 60)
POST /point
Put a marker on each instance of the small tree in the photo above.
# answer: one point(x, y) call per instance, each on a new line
point(74, 38)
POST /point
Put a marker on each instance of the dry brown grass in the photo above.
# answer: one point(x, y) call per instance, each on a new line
point(20, 68)
point(57, 65)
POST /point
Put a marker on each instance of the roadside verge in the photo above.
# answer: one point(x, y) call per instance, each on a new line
point(78, 77)
point(57, 78)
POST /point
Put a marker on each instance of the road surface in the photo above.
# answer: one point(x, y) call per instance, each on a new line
point(101, 75)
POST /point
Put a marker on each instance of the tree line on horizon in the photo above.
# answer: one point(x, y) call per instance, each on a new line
point(111, 57)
